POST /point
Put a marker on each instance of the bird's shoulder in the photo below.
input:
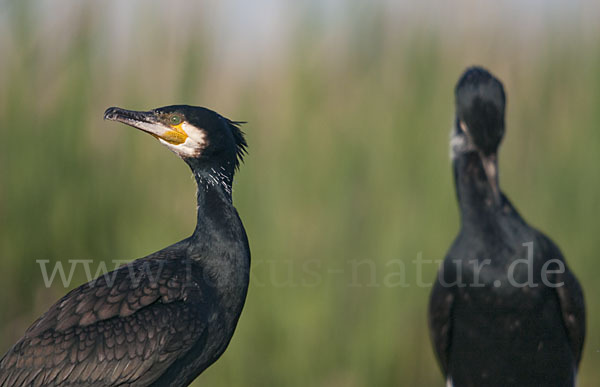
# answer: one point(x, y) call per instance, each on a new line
point(135, 350)
point(128, 325)
point(164, 277)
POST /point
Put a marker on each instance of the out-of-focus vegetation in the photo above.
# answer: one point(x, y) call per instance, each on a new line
point(347, 181)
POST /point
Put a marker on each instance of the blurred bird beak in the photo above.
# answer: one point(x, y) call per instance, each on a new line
point(147, 122)
point(490, 166)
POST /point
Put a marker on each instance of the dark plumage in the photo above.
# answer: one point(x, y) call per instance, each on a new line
point(163, 319)
point(486, 327)
point(480, 103)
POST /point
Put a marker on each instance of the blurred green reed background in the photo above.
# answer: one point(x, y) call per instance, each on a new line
point(348, 180)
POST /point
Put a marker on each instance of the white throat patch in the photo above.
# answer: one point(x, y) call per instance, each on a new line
point(193, 145)
point(459, 144)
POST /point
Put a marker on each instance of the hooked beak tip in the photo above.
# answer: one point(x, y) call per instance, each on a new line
point(110, 113)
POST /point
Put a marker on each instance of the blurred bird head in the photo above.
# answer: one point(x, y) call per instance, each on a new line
point(201, 137)
point(480, 104)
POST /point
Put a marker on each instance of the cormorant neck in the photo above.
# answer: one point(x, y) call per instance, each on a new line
point(477, 199)
point(213, 198)
point(216, 179)
point(219, 243)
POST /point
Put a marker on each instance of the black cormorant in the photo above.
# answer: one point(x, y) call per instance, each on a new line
point(162, 319)
point(505, 309)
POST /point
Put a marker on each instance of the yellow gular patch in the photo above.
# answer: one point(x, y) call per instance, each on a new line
point(175, 136)
point(179, 128)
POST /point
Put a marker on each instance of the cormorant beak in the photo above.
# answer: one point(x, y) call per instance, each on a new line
point(149, 123)
point(490, 166)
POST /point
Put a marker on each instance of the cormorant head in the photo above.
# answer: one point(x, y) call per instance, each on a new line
point(201, 137)
point(480, 104)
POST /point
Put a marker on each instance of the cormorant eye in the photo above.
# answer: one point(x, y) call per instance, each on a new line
point(175, 120)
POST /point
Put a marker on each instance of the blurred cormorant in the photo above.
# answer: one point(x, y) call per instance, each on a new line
point(505, 309)
point(163, 319)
